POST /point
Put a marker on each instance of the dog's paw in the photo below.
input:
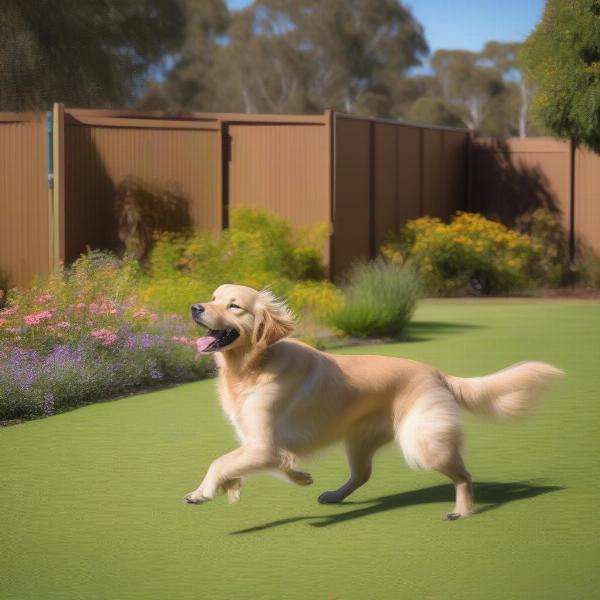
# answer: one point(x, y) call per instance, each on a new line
point(453, 516)
point(195, 498)
point(330, 498)
point(300, 477)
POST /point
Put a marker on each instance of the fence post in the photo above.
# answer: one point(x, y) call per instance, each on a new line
point(225, 160)
point(50, 175)
point(372, 183)
point(421, 170)
point(469, 169)
point(58, 189)
point(572, 162)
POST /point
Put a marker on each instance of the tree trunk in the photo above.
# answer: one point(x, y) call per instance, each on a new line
point(523, 110)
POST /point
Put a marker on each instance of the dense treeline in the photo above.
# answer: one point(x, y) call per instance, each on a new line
point(275, 56)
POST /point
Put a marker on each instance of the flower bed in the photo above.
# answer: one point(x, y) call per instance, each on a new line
point(84, 337)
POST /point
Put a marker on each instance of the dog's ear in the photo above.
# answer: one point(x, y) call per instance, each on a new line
point(273, 320)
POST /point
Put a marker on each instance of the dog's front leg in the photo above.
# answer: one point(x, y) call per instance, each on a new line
point(234, 465)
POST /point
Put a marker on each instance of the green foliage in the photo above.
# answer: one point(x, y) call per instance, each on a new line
point(562, 58)
point(433, 111)
point(470, 254)
point(143, 209)
point(588, 269)
point(380, 298)
point(258, 250)
point(546, 230)
point(81, 53)
point(290, 56)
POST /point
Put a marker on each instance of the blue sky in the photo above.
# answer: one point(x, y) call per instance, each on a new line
point(468, 24)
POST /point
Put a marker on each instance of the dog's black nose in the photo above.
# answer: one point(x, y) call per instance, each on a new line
point(197, 309)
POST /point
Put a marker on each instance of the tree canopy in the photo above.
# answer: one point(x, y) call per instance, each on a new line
point(91, 53)
point(290, 56)
point(562, 58)
point(366, 57)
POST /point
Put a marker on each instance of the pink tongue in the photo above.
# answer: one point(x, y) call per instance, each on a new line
point(203, 343)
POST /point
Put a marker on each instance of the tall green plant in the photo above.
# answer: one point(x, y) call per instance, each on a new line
point(562, 58)
point(380, 298)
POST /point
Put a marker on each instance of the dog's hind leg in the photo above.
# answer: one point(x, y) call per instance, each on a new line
point(362, 443)
point(430, 435)
point(456, 471)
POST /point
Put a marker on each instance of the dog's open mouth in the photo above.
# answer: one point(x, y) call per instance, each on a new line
point(217, 339)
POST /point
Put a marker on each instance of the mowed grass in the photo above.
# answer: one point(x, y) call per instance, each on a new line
point(90, 501)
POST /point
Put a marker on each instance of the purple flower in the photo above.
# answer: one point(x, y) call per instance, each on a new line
point(48, 404)
point(63, 355)
point(142, 341)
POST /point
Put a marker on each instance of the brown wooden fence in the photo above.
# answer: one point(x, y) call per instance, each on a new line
point(511, 177)
point(364, 176)
point(25, 201)
point(59, 174)
point(387, 172)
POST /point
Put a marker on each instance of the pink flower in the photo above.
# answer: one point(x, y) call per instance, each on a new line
point(106, 336)
point(3, 322)
point(13, 330)
point(10, 310)
point(43, 298)
point(94, 307)
point(63, 324)
point(80, 305)
point(140, 313)
point(37, 318)
point(182, 340)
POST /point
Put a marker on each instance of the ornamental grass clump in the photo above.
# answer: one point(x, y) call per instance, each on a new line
point(471, 254)
point(379, 300)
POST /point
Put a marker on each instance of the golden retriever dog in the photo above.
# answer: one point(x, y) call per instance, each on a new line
point(286, 399)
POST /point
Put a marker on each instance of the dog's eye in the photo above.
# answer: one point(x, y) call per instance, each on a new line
point(232, 305)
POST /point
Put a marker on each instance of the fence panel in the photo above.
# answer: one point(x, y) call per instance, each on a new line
point(182, 156)
point(587, 199)
point(519, 175)
point(352, 191)
point(408, 174)
point(453, 172)
point(283, 167)
point(385, 181)
point(24, 197)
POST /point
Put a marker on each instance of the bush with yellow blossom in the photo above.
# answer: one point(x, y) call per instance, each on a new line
point(471, 254)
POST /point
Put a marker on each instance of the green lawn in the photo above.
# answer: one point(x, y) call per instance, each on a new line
point(90, 501)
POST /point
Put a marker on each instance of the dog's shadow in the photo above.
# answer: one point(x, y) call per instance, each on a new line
point(488, 496)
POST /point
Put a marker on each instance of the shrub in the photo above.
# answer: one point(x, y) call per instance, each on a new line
point(588, 268)
point(380, 298)
point(259, 249)
point(545, 228)
point(469, 254)
point(143, 209)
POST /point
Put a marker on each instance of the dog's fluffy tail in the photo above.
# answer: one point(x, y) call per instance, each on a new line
point(508, 393)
